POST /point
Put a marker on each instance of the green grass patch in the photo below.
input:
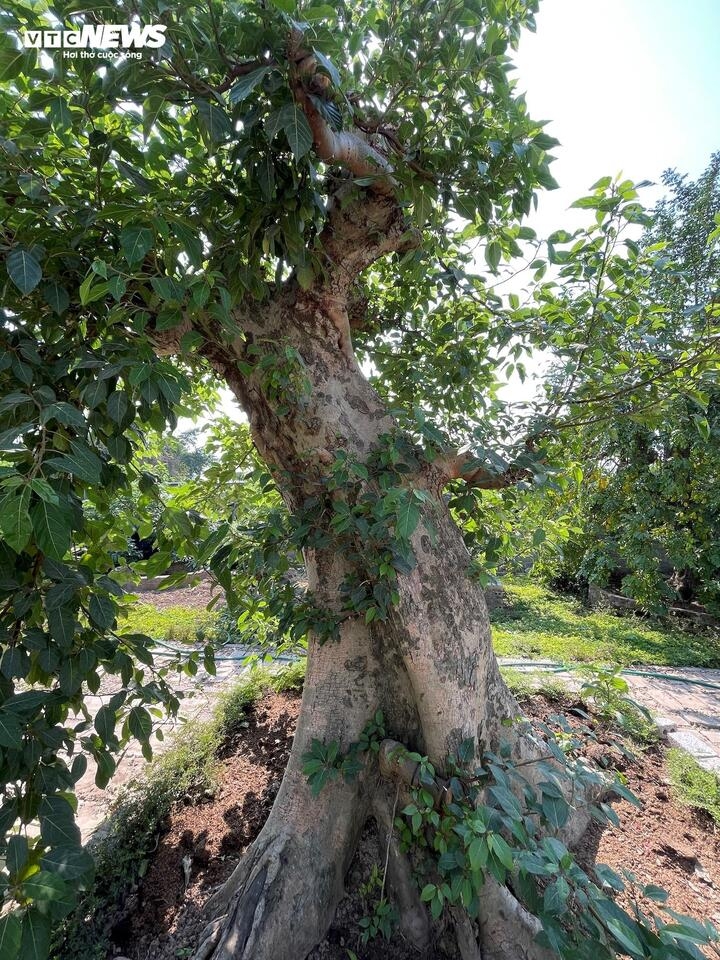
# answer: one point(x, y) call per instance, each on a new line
point(524, 684)
point(540, 624)
point(123, 848)
point(178, 624)
point(693, 786)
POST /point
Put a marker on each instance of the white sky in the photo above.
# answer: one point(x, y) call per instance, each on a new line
point(628, 85)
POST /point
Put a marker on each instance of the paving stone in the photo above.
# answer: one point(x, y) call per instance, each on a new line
point(709, 763)
point(690, 741)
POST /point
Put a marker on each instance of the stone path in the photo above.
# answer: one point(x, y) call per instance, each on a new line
point(196, 706)
point(686, 713)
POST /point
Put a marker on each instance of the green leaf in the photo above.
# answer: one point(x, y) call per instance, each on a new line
point(247, 84)
point(52, 523)
point(15, 523)
point(436, 906)
point(13, 61)
point(555, 810)
point(191, 242)
point(493, 252)
point(408, 515)
point(61, 626)
point(82, 463)
point(151, 110)
point(105, 720)
point(90, 293)
point(501, 850)
point(135, 242)
point(10, 931)
point(117, 406)
point(478, 854)
point(214, 121)
point(70, 863)
point(626, 937)
point(140, 723)
point(328, 66)
point(23, 269)
point(60, 114)
point(57, 823)
point(102, 611)
point(44, 886)
point(35, 943)
point(74, 670)
point(43, 489)
point(18, 852)
point(10, 731)
point(293, 121)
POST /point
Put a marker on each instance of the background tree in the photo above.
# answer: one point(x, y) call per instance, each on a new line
point(646, 514)
point(269, 192)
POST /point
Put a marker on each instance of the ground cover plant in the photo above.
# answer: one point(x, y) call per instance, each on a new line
point(693, 785)
point(537, 622)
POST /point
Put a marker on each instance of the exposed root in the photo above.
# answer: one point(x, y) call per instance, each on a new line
point(465, 932)
point(508, 929)
point(414, 921)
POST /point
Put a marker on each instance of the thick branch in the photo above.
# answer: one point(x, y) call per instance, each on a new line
point(464, 466)
point(360, 231)
point(345, 148)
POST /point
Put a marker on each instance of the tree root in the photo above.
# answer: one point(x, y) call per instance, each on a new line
point(508, 929)
point(414, 921)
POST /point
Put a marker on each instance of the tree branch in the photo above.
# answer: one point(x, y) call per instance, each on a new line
point(350, 150)
point(465, 466)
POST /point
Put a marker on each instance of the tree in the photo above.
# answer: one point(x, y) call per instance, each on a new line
point(276, 194)
point(646, 515)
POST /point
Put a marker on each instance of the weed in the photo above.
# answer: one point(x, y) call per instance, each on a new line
point(381, 916)
point(527, 683)
point(291, 678)
point(693, 786)
point(609, 692)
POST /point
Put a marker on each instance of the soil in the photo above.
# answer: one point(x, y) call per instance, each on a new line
point(195, 592)
point(662, 843)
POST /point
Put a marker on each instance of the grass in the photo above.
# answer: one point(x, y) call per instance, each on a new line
point(179, 624)
point(693, 786)
point(528, 683)
point(540, 624)
point(188, 768)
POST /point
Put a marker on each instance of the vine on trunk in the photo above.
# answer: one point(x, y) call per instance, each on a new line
point(475, 823)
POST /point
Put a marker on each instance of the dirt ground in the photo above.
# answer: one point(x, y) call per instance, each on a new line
point(662, 843)
point(195, 592)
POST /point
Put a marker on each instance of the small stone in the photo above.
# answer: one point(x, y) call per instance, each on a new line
point(665, 725)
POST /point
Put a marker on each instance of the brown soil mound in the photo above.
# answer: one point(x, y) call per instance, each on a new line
point(661, 843)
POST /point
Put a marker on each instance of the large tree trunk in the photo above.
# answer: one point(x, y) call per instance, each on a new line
point(430, 668)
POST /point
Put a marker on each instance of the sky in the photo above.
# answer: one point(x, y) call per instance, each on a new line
point(627, 85)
